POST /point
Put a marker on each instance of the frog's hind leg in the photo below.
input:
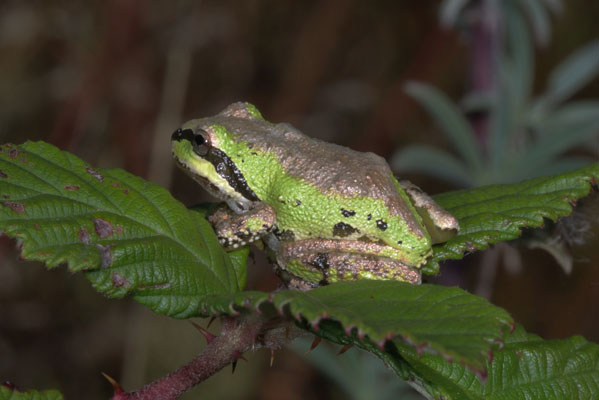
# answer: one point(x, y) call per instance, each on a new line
point(440, 224)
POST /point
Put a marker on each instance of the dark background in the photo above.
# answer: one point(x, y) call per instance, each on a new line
point(110, 81)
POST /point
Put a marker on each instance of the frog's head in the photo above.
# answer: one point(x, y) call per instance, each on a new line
point(200, 148)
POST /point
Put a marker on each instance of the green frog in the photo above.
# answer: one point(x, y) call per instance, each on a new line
point(325, 213)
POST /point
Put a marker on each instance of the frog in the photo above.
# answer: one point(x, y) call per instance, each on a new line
point(324, 213)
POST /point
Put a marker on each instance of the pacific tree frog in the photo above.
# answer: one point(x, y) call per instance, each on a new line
point(325, 212)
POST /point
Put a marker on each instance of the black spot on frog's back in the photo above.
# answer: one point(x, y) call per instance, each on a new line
point(342, 229)
point(347, 213)
point(381, 224)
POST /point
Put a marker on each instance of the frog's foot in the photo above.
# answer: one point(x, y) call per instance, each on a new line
point(320, 262)
point(441, 225)
point(237, 230)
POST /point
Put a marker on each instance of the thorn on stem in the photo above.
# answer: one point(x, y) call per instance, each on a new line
point(239, 355)
point(115, 385)
point(207, 335)
point(272, 357)
point(315, 343)
point(210, 322)
point(233, 365)
point(345, 348)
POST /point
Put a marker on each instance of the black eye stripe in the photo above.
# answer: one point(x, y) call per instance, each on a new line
point(227, 169)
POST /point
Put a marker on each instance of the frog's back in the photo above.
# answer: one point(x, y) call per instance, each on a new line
point(330, 168)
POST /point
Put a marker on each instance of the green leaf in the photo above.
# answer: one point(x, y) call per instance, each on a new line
point(526, 368)
point(9, 393)
point(433, 162)
point(130, 236)
point(449, 119)
point(432, 318)
point(497, 213)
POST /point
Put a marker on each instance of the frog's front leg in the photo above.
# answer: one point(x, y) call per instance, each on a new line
point(440, 224)
point(235, 230)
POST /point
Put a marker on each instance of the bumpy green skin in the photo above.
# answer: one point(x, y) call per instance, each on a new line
point(305, 213)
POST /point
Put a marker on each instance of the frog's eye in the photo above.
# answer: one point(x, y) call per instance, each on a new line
point(199, 139)
point(200, 143)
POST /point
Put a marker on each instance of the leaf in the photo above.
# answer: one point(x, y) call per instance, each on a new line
point(526, 368)
point(127, 234)
point(10, 393)
point(432, 318)
point(433, 162)
point(449, 10)
point(572, 125)
point(497, 213)
point(449, 119)
point(572, 74)
point(521, 75)
point(130, 236)
point(540, 19)
point(556, 6)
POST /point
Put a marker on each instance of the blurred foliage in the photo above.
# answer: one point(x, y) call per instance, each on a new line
point(110, 79)
point(360, 375)
point(501, 131)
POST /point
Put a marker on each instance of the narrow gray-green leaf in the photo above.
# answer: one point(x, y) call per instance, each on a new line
point(570, 126)
point(573, 73)
point(449, 119)
point(449, 10)
point(556, 6)
point(434, 162)
point(522, 60)
point(130, 236)
point(539, 18)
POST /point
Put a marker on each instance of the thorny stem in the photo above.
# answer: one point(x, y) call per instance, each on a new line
point(238, 335)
